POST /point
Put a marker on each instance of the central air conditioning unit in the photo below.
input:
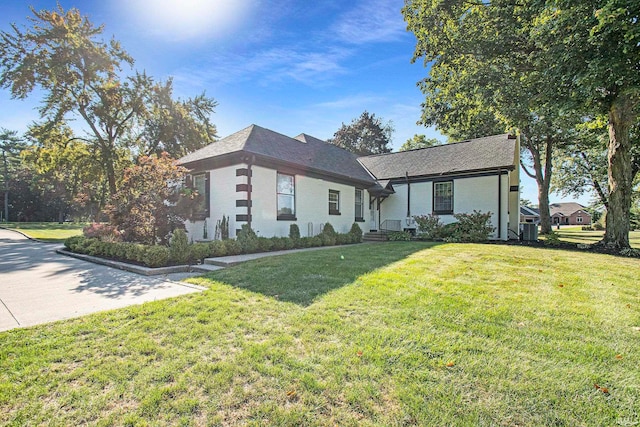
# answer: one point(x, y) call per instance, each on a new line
point(410, 222)
point(529, 232)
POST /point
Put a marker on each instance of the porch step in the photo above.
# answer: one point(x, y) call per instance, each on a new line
point(375, 236)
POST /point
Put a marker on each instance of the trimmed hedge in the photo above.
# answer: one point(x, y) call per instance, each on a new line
point(180, 251)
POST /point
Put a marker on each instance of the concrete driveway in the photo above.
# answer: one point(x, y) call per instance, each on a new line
point(39, 286)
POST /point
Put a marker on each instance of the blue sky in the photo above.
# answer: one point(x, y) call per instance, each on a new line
point(290, 66)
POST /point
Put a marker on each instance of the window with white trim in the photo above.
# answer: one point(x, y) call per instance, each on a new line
point(443, 197)
point(334, 202)
point(359, 205)
point(286, 194)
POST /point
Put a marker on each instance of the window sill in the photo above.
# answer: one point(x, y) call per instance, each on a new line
point(359, 220)
point(442, 213)
point(334, 213)
point(287, 218)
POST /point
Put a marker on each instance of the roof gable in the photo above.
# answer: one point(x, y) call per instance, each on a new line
point(566, 209)
point(492, 152)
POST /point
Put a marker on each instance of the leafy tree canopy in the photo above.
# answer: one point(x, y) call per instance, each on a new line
point(83, 77)
point(365, 135)
point(419, 141)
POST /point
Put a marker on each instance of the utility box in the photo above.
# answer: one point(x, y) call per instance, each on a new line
point(529, 232)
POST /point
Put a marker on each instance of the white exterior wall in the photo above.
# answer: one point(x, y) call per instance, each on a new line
point(311, 198)
point(222, 201)
point(469, 194)
point(312, 205)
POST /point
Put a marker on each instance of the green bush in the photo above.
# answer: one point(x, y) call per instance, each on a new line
point(200, 251)
point(328, 235)
point(217, 248)
point(316, 241)
point(399, 236)
point(294, 232)
point(73, 242)
point(179, 251)
point(552, 239)
point(247, 239)
point(598, 226)
point(473, 227)
point(430, 227)
point(232, 247)
point(265, 244)
point(156, 256)
point(356, 233)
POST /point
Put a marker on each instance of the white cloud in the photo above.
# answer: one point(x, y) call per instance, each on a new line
point(371, 21)
point(182, 20)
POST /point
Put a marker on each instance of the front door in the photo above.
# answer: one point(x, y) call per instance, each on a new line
point(373, 214)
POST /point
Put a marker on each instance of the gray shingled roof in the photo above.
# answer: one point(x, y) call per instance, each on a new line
point(478, 154)
point(565, 209)
point(303, 150)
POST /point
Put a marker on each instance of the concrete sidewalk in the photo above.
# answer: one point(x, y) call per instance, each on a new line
point(39, 286)
point(227, 261)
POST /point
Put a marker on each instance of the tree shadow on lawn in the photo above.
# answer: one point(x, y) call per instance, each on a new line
point(302, 277)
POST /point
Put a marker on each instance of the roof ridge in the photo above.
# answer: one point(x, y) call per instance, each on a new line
point(437, 146)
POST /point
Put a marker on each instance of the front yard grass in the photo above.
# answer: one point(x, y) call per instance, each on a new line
point(399, 333)
point(577, 235)
point(47, 231)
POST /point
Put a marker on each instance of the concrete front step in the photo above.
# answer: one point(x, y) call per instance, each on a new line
point(375, 236)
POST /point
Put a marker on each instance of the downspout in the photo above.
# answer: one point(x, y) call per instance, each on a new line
point(499, 204)
point(379, 217)
point(406, 174)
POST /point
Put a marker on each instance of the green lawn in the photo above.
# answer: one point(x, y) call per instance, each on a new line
point(47, 231)
point(399, 333)
point(577, 235)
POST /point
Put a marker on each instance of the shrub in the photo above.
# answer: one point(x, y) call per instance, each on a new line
point(430, 227)
point(72, 242)
point(156, 256)
point(316, 241)
point(598, 226)
point(294, 232)
point(217, 248)
point(247, 239)
point(200, 251)
point(356, 233)
point(587, 228)
point(287, 243)
point(328, 235)
point(552, 239)
point(399, 236)
point(232, 247)
point(264, 244)
point(179, 247)
point(473, 227)
point(104, 232)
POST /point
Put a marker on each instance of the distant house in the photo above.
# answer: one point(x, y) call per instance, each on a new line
point(569, 214)
point(528, 214)
point(269, 181)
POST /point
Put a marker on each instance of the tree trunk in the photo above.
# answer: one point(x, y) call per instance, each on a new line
point(6, 186)
point(620, 174)
point(542, 175)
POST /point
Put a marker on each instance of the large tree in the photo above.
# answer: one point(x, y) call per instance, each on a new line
point(365, 135)
point(10, 147)
point(596, 47)
point(150, 202)
point(485, 79)
point(419, 141)
point(82, 77)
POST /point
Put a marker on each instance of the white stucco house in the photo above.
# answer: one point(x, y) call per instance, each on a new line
point(268, 180)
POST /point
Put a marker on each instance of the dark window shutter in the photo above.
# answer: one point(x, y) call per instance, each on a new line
point(188, 181)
